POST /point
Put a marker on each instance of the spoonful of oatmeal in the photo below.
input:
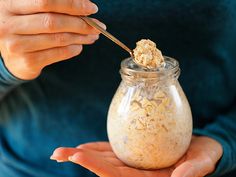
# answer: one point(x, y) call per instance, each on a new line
point(145, 54)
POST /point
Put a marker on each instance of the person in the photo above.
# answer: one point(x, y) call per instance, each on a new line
point(65, 104)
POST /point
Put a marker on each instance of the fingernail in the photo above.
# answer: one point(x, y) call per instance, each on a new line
point(187, 174)
point(70, 158)
point(93, 7)
point(53, 158)
point(103, 26)
point(95, 37)
point(76, 49)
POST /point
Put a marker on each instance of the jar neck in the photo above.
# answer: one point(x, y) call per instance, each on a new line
point(132, 73)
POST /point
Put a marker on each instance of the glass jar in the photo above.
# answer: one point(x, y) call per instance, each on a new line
point(149, 120)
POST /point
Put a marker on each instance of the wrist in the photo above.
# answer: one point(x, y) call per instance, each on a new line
point(6, 76)
point(18, 70)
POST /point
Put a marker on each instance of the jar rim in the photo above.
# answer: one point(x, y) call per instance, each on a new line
point(130, 68)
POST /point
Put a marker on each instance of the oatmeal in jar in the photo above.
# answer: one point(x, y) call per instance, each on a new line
point(149, 120)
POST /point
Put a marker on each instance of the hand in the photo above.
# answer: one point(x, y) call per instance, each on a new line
point(199, 160)
point(34, 34)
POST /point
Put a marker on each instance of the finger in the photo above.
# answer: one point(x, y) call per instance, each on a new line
point(62, 154)
point(157, 173)
point(108, 154)
point(94, 163)
point(116, 162)
point(50, 56)
point(186, 169)
point(33, 43)
point(97, 146)
point(72, 7)
point(51, 23)
point(194, 168)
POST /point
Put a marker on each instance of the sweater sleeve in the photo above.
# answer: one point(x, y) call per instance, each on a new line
point(7, 80)
point(223, 130)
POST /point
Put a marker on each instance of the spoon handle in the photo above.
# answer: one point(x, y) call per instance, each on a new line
point(107, 34)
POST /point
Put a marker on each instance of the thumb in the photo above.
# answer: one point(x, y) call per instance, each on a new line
point(194, 168)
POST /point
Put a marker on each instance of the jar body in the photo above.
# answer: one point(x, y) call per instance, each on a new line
point(149, 125)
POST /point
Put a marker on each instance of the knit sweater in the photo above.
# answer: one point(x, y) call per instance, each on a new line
point(67, 104)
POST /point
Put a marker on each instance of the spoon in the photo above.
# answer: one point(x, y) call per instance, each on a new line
point(107, 34)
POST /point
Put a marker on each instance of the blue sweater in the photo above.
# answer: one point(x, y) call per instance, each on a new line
point(67, 104)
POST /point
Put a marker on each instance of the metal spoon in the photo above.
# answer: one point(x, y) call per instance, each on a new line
point(107, 34)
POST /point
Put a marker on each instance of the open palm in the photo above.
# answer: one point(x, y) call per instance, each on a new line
point(99, 158)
